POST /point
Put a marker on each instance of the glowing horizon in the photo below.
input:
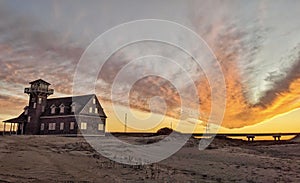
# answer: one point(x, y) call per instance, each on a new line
point(257, 49)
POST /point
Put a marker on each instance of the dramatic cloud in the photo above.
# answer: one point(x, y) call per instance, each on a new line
point(257, 48)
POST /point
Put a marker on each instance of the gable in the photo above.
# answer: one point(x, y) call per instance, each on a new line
point(90, 107)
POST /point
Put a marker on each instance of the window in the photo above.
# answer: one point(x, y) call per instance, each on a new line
point(53, 109)
point(62, 108)
point(72, 124)
point(42, 127)
point(28, 119)
point(26, 111)
point(40, 100)
point(96, 110)
point(100, 127)
point(91, 110)
point(61, 126)
point(83, 126)
point(52, 126)
point(94, 101)
point(73, 107)
point(34, 105)
point(43, 108)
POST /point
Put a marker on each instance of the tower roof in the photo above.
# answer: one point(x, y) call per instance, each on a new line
point(40, 81)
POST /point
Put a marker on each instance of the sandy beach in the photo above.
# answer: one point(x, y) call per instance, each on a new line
point(71, 159)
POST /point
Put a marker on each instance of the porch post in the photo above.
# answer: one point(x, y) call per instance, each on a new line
point(4, 129)
point(14, 128)
point(22, 128)
point(10, 128)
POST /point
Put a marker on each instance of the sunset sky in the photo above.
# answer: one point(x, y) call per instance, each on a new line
point(257, 44)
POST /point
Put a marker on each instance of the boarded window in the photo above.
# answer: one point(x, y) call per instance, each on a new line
point(90, 110)
point(52, 126)
point(61, 126)
point(72, 124)
point(83, 126)
point(100, 127)
point(42, 127)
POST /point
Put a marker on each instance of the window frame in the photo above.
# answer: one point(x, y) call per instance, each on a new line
point(42, 128)
point(62, 108)
point(72, 125)
point(40, 99)
point(83, 126)
point(52, 126)
point(61, 126)
point(53, 109)
point(73, 108)
point(102, 125)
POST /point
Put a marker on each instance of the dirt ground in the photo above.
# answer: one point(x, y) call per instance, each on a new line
point(71, 159)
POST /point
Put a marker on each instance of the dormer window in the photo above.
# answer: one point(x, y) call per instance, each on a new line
point(94, 101)
point(53, 109)
point(62, 108)
point(73, 107)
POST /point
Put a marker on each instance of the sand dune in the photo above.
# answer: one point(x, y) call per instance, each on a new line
point(71, 159)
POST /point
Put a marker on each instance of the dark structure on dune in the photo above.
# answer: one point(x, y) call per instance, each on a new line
point(67, 115)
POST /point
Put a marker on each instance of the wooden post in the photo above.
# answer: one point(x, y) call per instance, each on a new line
point(22, 128)
point(4, 129)
point(14, 128)
point(10, 129)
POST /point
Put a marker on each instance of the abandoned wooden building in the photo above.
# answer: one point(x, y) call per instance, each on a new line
point(68, 115)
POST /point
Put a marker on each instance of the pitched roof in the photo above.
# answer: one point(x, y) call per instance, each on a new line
point(39, 81)
point(79, 101)
point(21, 118)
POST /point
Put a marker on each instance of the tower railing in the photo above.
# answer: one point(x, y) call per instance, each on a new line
point(39, 90)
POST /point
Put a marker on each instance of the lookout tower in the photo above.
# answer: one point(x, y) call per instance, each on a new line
point(38, 93)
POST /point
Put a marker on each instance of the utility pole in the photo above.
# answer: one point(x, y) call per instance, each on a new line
point(125, 122)
point(207, 128)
